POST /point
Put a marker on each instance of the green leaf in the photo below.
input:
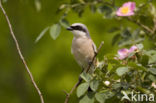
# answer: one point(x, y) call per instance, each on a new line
point(109, 94)
point(114, 29)
point(41, 34)
point(144, 60)
point(135, 34)
point(152, 70)
point(152, 77)
point(126, 34)
point(110, 67)
point(88, 98)
point(152, 10)
point(136, 66)
point(116, 85)
point(85, 76)
point(38, 5)
point(152, 59)
point(122, 70)
point(64, 23)
point(150, 52)
point(100, 97)
point(106, 10)
point(79, 9)
point(116, 39)
point(152, 55)
point(94, 85)
point(113, 61)
point(55, 31)
point(82, 88)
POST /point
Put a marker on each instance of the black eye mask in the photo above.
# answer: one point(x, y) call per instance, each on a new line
point(78, 28)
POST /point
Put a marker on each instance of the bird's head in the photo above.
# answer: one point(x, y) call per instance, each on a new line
point(79, 30)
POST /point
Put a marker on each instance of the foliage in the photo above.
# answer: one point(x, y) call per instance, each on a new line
point(112, 77)
point(135, 73)
point(144, 16)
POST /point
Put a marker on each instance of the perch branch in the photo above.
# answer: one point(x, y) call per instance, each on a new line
point(20, 53)
point(80, 79)
point(96, 53)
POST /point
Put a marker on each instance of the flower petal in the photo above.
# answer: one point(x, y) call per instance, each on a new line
point(127, 4)
point(133, 6)
point(133, 48)
point(123, 53)
point(130, 5)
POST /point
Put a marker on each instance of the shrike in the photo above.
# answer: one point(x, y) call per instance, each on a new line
point(83, 47)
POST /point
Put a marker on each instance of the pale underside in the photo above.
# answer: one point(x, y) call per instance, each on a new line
point(83, 50)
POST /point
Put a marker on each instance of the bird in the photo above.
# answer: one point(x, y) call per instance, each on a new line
point(83, 47)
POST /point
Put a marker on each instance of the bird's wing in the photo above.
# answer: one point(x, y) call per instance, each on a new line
point(94, 47)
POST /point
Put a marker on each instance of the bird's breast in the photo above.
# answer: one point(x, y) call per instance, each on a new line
point(82, 50)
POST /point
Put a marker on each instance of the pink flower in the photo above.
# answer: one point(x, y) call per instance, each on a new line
point(153, 85)
point(123, 53)
point(127, 9)
point(133, 49)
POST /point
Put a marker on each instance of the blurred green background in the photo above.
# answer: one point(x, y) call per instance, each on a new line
point(51, 62)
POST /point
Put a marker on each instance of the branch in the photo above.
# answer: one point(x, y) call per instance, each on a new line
point(80, 79)
point(20, 53)
point(96, 53)
point(141, 25)
point(72, 90)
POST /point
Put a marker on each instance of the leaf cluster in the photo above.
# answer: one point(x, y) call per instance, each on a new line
point(135, 73)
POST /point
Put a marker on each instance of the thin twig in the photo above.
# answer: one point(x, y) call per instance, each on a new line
point(72, 90)
point(20, 53)
point(141, 25)
point(80, 79)
point(94, 57)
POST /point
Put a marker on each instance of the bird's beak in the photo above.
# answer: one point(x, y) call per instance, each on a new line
point(70, 28)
